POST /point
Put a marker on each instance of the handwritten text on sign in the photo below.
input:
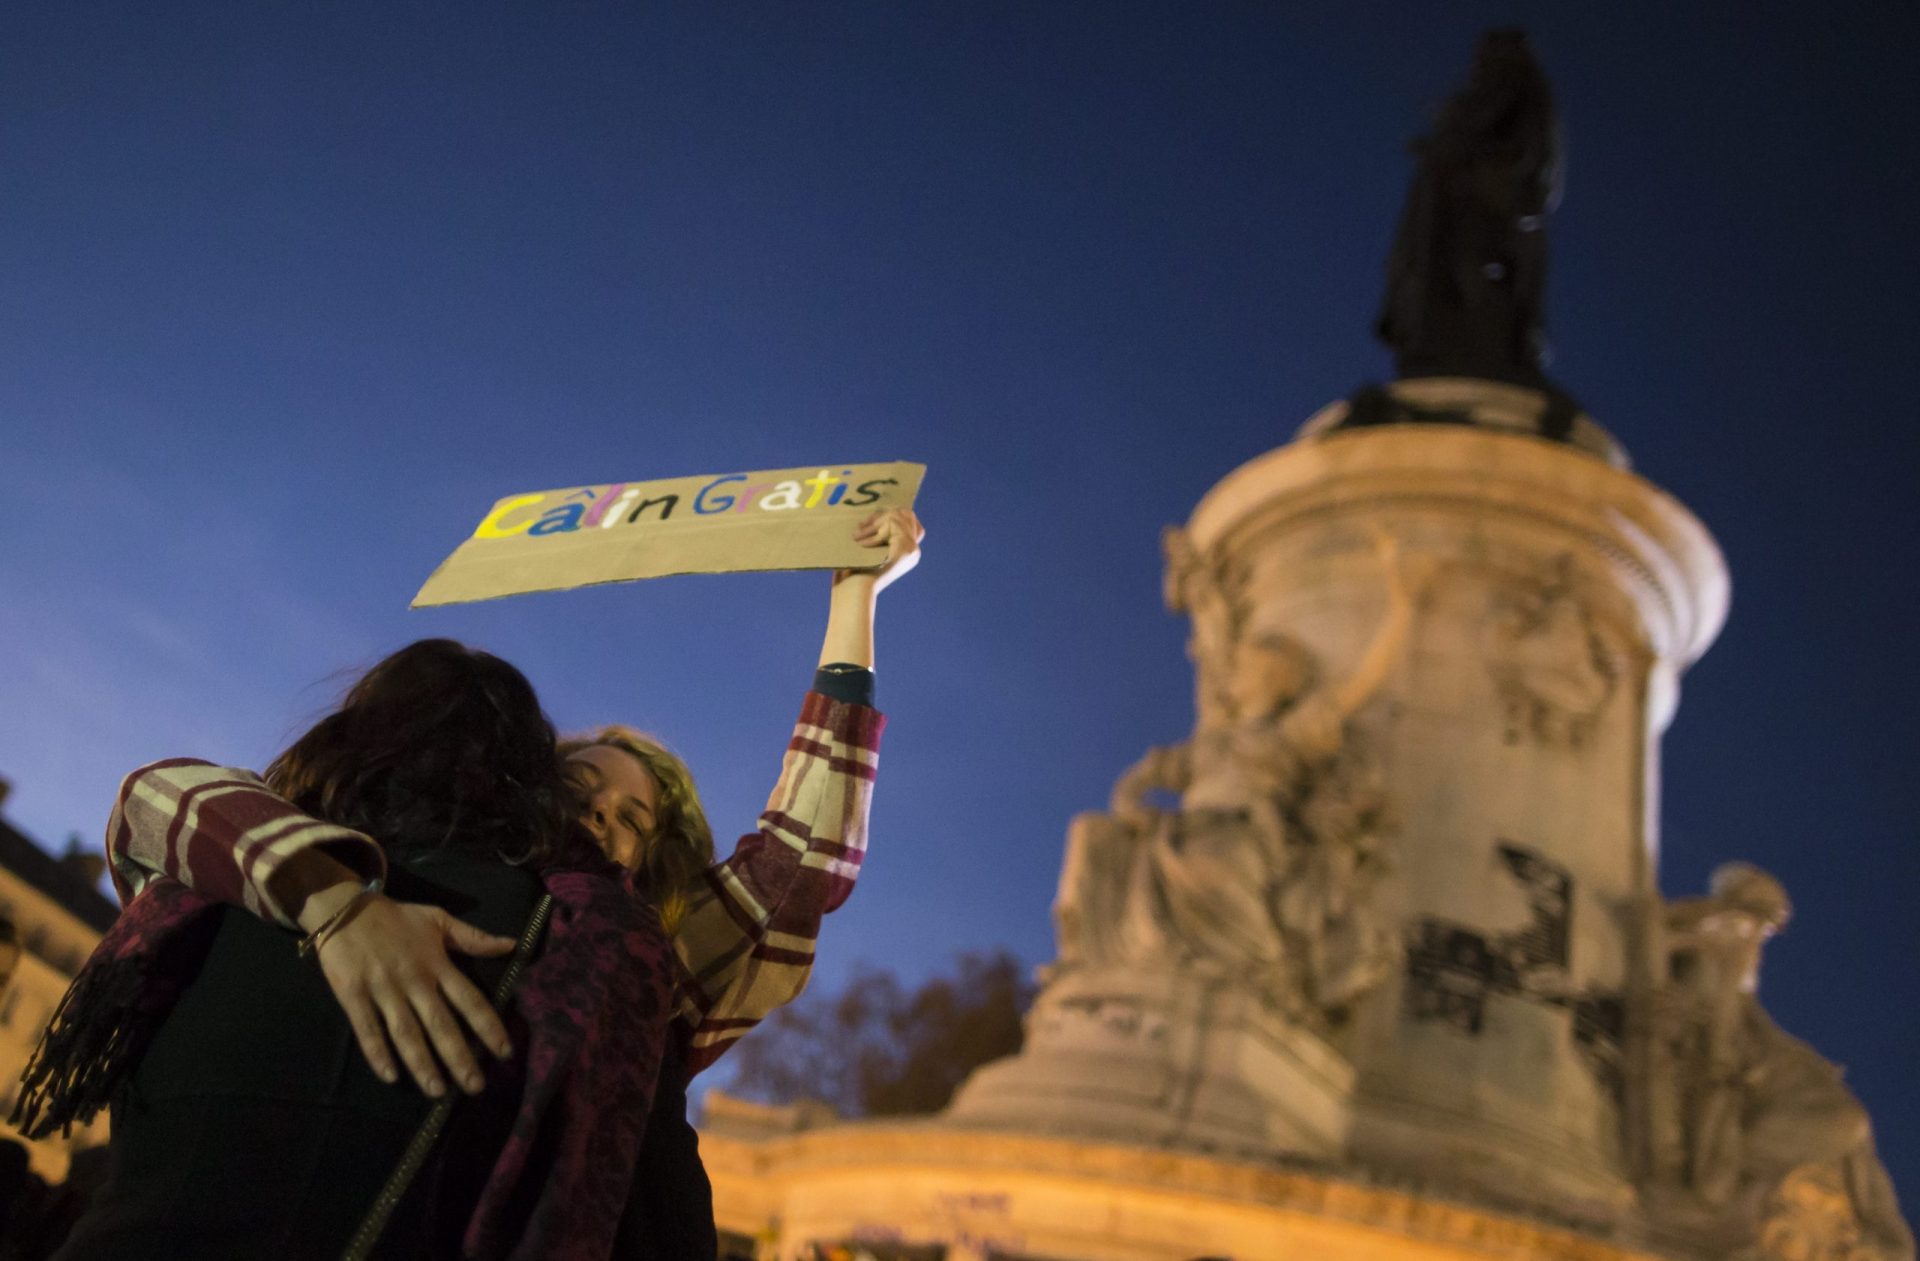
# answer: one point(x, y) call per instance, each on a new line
point(559, 539)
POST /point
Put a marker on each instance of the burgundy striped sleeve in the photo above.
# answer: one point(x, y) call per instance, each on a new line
point(220, 832)
point(747, 943)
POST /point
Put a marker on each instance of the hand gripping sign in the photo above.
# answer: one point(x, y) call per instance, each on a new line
point(734, 522)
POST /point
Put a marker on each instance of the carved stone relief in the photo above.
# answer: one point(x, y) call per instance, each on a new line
point(1552, 666)
point(1754, 1134)
point(1263, 873)
point(1106, 1018)
point(1202, 588)
point(1810, 1217)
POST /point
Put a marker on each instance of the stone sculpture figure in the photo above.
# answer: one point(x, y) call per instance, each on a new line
point(1263, 873)
point(1197, 587)
point(1758, 1134)
point(1466, 279)
point(1553, 669)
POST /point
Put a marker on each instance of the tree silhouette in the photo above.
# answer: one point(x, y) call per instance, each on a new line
point(878, 1049)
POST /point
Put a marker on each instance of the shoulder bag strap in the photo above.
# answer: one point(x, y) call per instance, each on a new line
point(364, 1239)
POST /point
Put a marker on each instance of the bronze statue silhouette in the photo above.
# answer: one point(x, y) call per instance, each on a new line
point(1467, 276)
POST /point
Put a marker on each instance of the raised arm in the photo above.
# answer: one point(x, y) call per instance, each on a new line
point(747, 941)
point(849, 637)
point(1168, 768)
point(1357, 688)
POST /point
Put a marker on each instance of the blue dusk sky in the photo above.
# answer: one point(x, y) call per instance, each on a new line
point(294, 291)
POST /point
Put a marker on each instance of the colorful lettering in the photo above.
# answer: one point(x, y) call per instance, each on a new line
point(819, 481)
point(668, 502)
point(867, 489)
point(559, 520)
point(787, 491)
point(612, 518)
point(623, 503)
point(495, 526)
point(720, 502)
point(599, 511)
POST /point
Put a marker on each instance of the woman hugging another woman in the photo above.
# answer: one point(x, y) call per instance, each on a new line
point(429, 817)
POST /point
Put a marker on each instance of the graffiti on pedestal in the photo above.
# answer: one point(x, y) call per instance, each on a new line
point(1599, 1022)
point(1453, 969)
point(967, 1223)
point(1544, 942)
point(1120, 1018)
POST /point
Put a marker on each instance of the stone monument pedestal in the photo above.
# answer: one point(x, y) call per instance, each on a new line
point(1481, 810)
point(1559, 598)
point(1375, 963)
point(913, 1190)
point(1164, 1058)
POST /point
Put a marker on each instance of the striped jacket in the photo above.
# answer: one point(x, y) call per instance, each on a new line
point(744, 948)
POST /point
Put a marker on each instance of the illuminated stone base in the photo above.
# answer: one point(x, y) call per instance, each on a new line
point(927, 1189)
point(1118, 1054)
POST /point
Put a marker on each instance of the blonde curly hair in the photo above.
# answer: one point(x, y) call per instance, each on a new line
point(680, 846)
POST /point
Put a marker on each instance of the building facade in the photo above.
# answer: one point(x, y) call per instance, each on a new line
point(57, 915)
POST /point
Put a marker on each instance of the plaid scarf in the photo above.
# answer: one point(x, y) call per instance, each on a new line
point(596, 1001)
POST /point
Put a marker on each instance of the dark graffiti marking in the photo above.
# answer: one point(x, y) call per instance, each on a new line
point(1452, 969)
point(1599, 1022)
point(1549, 889)
point(1450, 972)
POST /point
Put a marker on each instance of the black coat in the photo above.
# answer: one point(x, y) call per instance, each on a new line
point(252, 1126)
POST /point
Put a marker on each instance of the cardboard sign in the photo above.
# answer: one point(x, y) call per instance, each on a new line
point(727, 523)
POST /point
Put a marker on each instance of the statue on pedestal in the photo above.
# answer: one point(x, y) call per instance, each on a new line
point(1263, 874)
point(1466, 280)
point(1467, 275)
point(1755, 1134)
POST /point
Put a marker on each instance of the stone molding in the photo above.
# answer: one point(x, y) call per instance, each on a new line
point(1673, 569)
point(1104, 1201)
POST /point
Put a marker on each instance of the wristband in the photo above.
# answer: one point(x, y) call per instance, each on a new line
point(311, 943)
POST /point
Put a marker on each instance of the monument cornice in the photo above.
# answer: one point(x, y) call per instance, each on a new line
point(1674, 568)
point(820, 1167)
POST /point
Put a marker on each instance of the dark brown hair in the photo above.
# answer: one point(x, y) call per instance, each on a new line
point(439, 744)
